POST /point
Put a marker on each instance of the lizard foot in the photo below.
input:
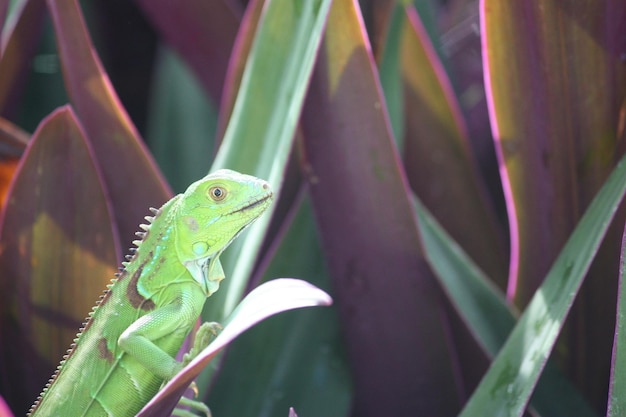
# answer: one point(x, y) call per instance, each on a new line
point(194, 405)
point(205, 334)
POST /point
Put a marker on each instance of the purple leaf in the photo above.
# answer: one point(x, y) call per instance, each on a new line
point(4, 7)
point(17, 53)
point(58, 253)
point(133, 180)
point(238, 60)
point(389, 303)
point(555, 125)
point(439, 163)
point(4, 409)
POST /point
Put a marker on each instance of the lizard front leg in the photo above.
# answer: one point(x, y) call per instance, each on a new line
point(138, 341)
point(169, 321)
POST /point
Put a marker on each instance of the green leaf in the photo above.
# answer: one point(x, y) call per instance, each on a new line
point(259, 135)
point(389, 70)
point(507, 386)
point(480, 302)
point(617, 384)
point(488, 315)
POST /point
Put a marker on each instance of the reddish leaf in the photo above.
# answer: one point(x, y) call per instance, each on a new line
point(388, 300)
point(17, 52)
point(58, 252)
point(438, 161)
point(4, 6)
point(133, 180)
point(202, 32)
point(378, 17)
point(460, 39)
point(554, 120)
point(4, 409)
point(555, 80)
point(239, 56)
point(12, 138)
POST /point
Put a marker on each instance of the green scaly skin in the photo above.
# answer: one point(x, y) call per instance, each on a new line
point(126, 349)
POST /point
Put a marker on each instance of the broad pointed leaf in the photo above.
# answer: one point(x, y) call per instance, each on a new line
point(133, 180)
point(387, 297)
point(438, 160)
point(17, 50)
point(58, 253)
point(554, 121)
point(555, 81)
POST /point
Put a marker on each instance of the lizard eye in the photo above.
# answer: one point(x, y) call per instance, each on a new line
point(217, 193)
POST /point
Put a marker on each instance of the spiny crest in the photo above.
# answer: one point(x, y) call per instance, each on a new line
point(52, 378)
point(145, 227)
point(133, 251)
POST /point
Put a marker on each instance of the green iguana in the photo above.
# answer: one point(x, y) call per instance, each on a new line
point(126, 349)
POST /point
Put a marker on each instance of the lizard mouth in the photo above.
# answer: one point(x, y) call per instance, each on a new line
point(262, 200)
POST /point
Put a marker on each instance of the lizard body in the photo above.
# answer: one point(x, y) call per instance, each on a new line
point(126, 349)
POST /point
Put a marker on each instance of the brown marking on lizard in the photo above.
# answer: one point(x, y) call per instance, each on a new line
point(132, 292)
point(104, 351)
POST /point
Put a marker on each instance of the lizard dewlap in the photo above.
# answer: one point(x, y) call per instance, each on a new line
point(127, 347)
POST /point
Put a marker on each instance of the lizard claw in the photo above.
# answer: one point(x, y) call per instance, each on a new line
point(206, 332)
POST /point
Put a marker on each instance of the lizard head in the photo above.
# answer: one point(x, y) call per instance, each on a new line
point(213, 211)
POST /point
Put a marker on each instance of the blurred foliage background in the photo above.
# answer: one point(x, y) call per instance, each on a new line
point(502, 119)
